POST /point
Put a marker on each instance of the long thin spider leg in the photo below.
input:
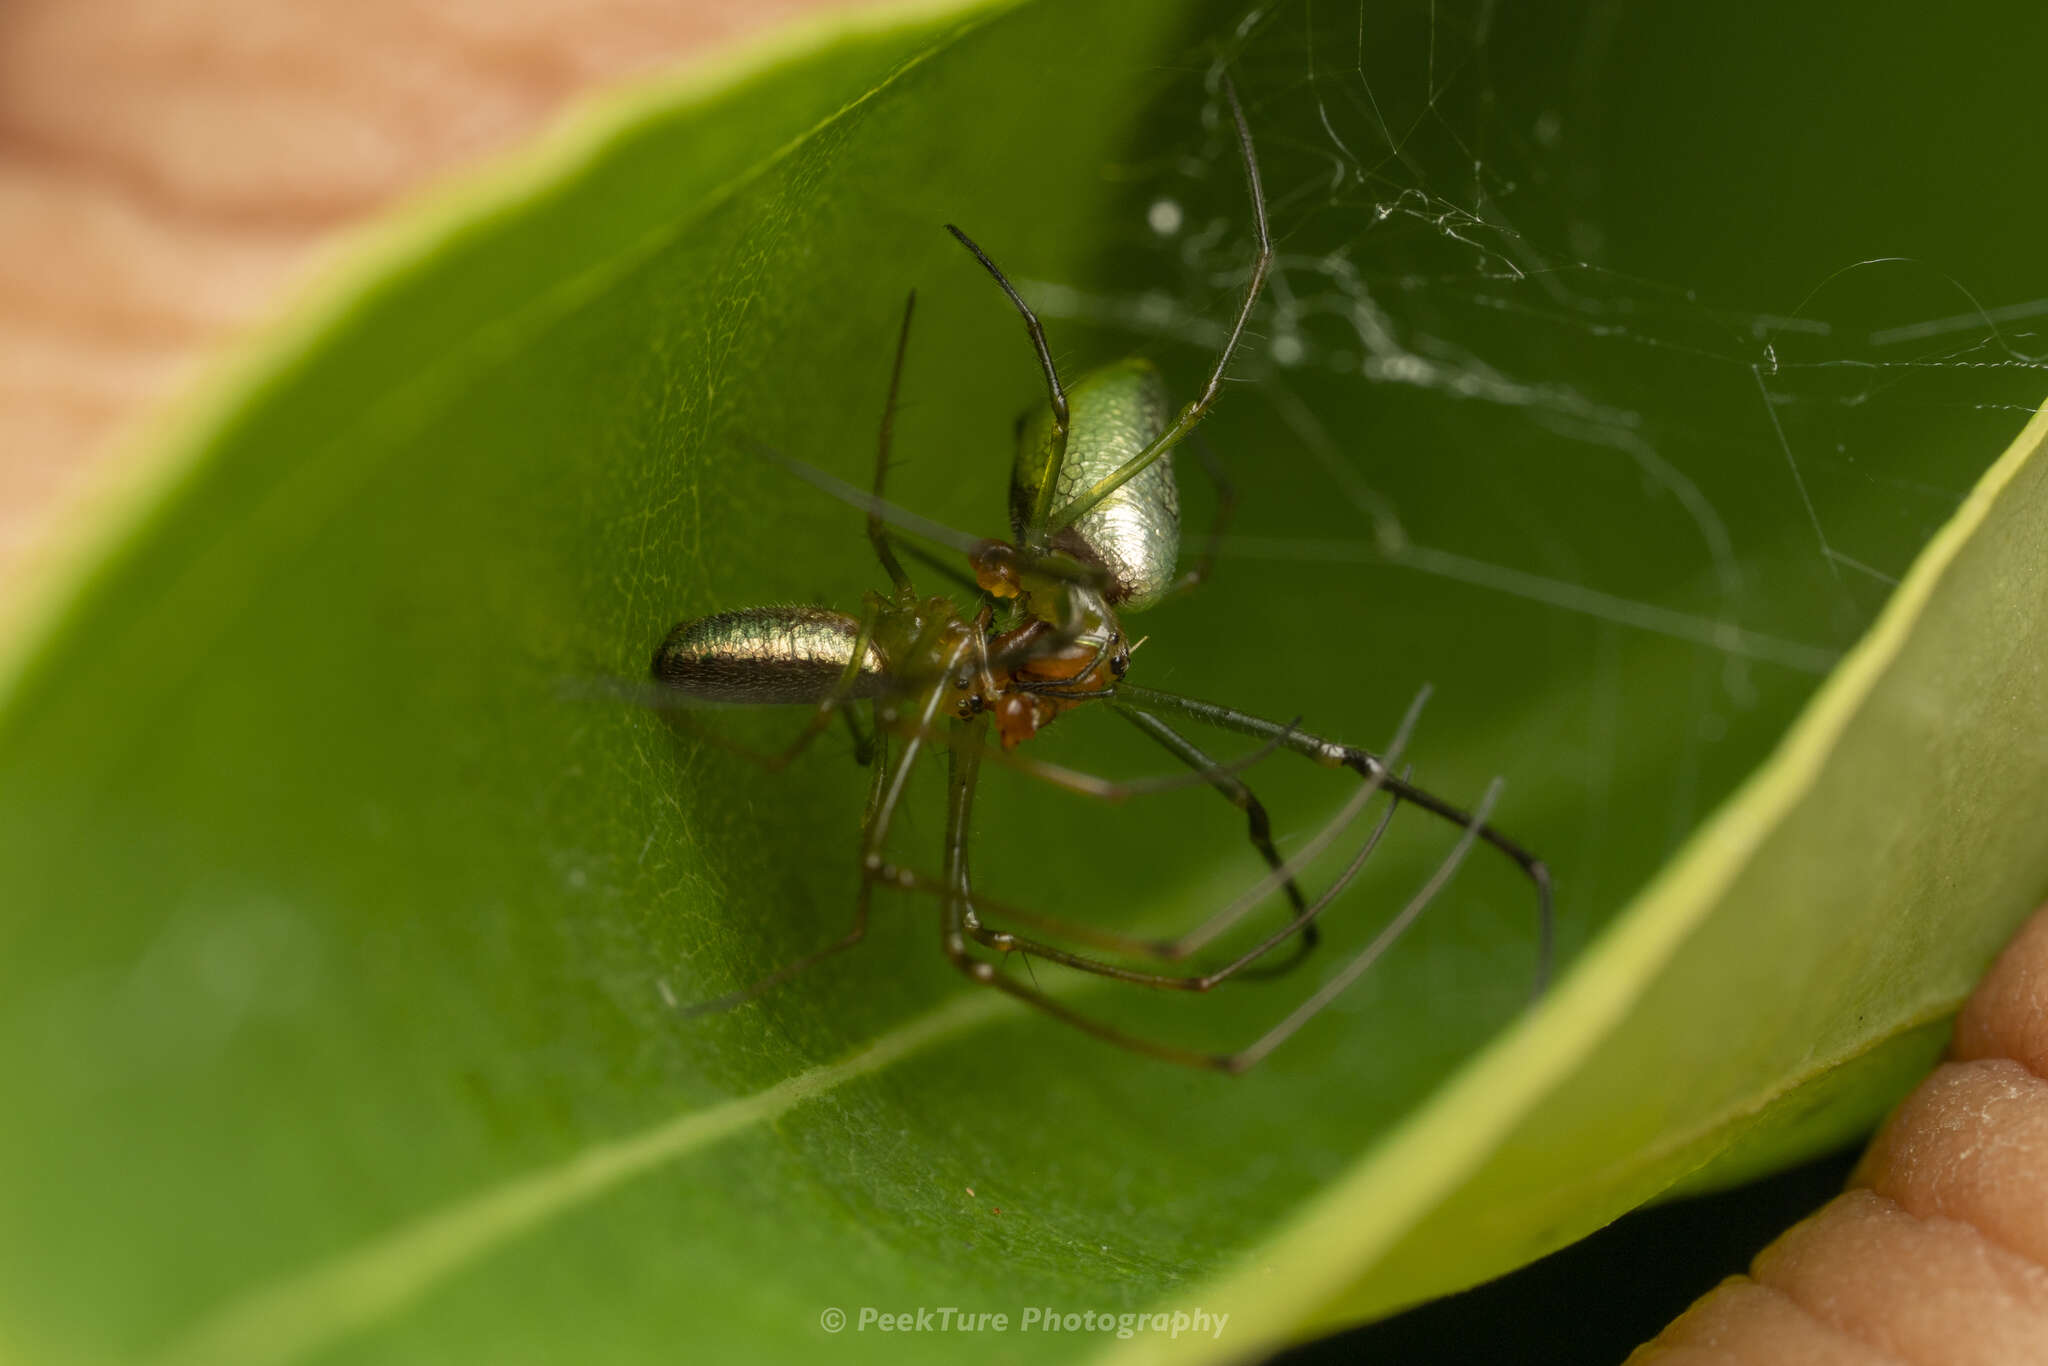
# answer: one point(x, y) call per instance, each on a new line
point(874, 817)
point(1258, 826)
point(1175, 950)
point(1193, 413)
point(902, 518)
point(1332, 754)
point(1069, 694)
point(842, 691)
point(940, 565)
point(883, 797)
point(1007, 942)
point(1201, 936)
point(956, 897)
point(1112, 941)
point(1055, 395)
point(878, 530)
point(1051, 564)
point(1178, 949)
point(1089, 785)
point(1209, 773)
point(1248, 1057)
point(863, 743)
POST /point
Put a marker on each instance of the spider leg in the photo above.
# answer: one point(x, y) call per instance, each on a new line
point(1193, 413)
point(842, 692)
point(1372, 767)
point(1259, 828)
point(1178, 949)
point(963, 770)
point(958, 926)
point(943, 567)
point(1304, 920)
point(1249, 1056)
point(910, 880)
point(1052, 564)
point(878, 530)
point(863, 742)
point(878, 524)
point(1056, 397)
point(1113, 941)
point(885, 793)
point(1205, 772)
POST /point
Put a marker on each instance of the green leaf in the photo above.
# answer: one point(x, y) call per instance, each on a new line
point(1787, 971)
point(348, 900)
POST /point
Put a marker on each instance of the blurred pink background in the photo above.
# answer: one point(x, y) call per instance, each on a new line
point(170, 170)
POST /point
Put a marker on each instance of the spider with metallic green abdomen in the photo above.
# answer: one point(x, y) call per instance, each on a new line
point(1095, 534)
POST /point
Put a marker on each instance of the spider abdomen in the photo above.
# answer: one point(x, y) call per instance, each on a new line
point(1134, 533)
point(767, 654)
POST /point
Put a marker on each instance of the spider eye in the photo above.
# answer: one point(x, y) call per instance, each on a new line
point(1120, 664)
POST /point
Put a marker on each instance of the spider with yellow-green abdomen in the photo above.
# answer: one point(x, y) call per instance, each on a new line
point(1095, 535)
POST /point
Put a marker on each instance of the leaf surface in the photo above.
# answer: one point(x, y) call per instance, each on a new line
point(349, 902)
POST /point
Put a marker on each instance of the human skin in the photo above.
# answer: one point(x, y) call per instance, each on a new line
point(1938, 1252)
point(170, 172)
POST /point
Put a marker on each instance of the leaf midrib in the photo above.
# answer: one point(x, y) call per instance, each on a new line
point(303, 1313)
